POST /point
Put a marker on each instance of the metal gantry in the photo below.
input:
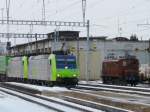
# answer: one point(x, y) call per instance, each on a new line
point(143, 24)
point(48, 23)
point(21, 35)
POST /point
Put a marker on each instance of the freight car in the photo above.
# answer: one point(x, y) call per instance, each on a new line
point(122, 71)
point(44, 69)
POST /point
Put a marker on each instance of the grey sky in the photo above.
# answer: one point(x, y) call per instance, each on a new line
point(100, 12)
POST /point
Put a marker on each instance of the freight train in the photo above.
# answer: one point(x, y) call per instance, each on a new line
point(41, 69)
point(121, 71)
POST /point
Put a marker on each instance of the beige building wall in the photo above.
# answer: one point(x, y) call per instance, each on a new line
point(94, 66)
point(94, 60)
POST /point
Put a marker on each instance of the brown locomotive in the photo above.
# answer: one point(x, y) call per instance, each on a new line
point(121, 71)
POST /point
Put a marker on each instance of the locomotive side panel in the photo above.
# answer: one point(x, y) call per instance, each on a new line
point(39, 68)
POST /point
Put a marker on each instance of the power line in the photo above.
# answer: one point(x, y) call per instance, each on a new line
point(66, 7)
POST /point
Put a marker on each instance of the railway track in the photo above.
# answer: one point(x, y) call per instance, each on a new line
point(127, 99)
point(83, 105)
point(51, 103)
point(114, 88)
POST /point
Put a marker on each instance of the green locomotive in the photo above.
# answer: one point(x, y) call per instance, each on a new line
point(41, 69)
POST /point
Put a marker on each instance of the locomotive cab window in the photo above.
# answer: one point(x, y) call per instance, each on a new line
point(66, 61)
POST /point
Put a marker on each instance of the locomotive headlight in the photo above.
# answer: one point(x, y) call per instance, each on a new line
point(66, 67)
point(74, 75)
point(58, 75)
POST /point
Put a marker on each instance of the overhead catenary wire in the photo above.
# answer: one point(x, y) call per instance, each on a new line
point(91, 5)
point(64, 8)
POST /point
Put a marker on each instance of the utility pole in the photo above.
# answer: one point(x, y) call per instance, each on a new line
point(30, 39)
point(55, 40)
point(119, 28)
point(7, 15)
point(36, 45)
point(84, 9)
point(78, 55)
point(43, 11)
point(2, 9)
point(88, 51)
point(149, 52)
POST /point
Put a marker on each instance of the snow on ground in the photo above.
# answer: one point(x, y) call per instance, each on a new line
point(41, 88)
point(63, 89)
point(132, 99)
point(136, 87)
point(10, 103)
point(45, 102)
point(99, 82)
point(90, 82)
point(73, 104)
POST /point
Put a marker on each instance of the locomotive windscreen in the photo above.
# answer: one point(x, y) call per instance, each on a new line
point(66, 61)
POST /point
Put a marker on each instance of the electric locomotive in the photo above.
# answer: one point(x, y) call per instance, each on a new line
point(44, 69)
point(124, 70)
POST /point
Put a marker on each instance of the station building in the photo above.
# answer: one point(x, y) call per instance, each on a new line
point(100, 48)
